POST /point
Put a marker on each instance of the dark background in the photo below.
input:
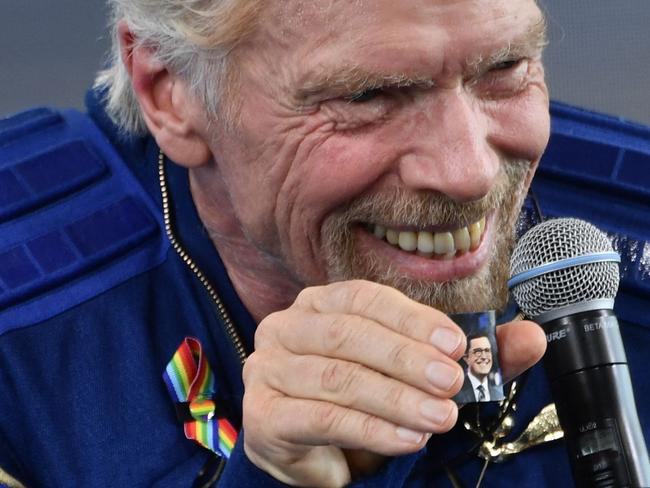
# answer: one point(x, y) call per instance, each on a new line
point(599, 55)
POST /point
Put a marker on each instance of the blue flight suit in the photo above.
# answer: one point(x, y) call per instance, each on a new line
point(94, 301)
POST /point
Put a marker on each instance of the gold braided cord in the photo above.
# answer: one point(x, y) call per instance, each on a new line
point(6, 480)
point(187, 259)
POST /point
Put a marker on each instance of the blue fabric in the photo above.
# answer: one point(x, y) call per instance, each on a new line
point(71, 207)
point(27, 123)
point(596, 168)
point(82, 400)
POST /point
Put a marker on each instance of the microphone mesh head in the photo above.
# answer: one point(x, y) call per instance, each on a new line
point(555, 240)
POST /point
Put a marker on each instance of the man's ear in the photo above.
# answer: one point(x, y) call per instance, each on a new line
point(170, 112)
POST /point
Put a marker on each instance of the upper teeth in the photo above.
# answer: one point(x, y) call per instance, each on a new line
point(445, 244)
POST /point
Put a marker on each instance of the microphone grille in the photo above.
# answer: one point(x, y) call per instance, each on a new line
point(556, 240)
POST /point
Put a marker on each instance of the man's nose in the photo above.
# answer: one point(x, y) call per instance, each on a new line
point(449, 148)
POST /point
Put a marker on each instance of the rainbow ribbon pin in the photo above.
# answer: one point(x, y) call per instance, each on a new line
point(191, 384)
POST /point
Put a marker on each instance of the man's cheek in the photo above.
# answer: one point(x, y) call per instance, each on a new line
point(521, 128)
point(342, 168)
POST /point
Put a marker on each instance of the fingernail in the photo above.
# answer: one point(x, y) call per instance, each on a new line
point(437, 412)
point(445, 340)
point(441, 375)
point(409, 435)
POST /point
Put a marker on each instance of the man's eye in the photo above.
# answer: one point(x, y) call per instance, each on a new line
point(364, 96)
point(506, 65)
point(503, 79)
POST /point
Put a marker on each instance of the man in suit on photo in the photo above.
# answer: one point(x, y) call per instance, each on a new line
point(479, 384)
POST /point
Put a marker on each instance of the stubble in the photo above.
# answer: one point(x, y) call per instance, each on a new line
point(484, 290)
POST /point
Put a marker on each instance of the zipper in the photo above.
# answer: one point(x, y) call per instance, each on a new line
point(187, 259)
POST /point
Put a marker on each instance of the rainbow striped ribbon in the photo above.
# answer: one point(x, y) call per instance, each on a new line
point(190, 382)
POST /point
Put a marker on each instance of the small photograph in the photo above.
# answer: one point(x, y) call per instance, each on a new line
point(483, 380)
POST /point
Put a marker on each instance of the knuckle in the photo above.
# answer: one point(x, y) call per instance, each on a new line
point(394, 396)
point(338, 333)
point(338, 377)
point(409, 323)
point(258, 368)
point(249, 368)
point(305, 297)
point(326, 418)
point(363, 294)
point(368, 430)
point(401, 357)
point(254, 368)
point(268, 328)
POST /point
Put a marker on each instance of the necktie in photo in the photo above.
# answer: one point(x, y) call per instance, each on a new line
point(481, 393)
point(191, 384)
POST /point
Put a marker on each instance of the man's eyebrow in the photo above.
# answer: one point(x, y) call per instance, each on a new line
point(530, 43)
point(355, 79)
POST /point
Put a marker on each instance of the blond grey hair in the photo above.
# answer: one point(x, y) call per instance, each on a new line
point(194, 39)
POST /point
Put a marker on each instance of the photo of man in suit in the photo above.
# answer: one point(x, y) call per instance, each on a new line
point(480, 384)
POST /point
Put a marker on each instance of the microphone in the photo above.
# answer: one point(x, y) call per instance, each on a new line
point(564, 275)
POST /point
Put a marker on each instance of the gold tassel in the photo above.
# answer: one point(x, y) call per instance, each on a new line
point(6, 480)
point(545, 427)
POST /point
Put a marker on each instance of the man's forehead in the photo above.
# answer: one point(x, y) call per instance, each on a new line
point(294, 15)
point(341, 41)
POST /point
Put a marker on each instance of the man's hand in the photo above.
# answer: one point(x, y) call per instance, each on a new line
point(352, 366)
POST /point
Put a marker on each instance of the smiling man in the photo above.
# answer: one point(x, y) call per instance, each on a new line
point(330, 178)
point(369, 131)
point(478, 386)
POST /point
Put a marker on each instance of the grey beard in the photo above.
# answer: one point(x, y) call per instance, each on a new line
point(485, 290)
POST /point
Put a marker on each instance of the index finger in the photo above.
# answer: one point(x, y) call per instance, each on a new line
point(390, 308)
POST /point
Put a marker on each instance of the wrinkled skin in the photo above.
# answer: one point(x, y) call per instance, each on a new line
point(417, 104)
point(346, 370)
point(302, 151)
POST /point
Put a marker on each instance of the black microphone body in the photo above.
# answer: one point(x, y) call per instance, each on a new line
point(590, 383)
point(565, 276)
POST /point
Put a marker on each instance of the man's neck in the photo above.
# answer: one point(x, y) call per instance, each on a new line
point(261, 283)
point(256, 281)
point(479, 380)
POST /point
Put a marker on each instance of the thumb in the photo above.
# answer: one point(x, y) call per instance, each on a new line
point(521, 344)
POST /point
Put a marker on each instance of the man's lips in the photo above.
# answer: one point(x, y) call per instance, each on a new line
point(427, 266)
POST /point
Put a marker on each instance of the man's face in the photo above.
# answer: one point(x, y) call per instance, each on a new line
point(425, 117)
point(479, 357)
